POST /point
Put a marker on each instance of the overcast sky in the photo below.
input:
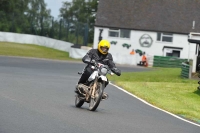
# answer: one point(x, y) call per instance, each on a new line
point(55, 5)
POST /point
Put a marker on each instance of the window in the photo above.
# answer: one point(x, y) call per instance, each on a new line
point(114, 33)
point(125, 33)
point(119, 33)
point(174, 53)
point(164, 37)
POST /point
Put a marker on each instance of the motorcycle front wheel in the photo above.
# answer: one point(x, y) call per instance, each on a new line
point(94, 102)
point(78, 101)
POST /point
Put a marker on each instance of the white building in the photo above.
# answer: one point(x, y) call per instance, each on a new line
point(155, 27)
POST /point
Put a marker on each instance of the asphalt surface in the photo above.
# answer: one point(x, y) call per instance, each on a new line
point(37, 96)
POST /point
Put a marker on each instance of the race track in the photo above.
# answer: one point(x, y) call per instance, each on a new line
point(37, 96)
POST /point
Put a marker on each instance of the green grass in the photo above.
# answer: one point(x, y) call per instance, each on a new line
point(164, 88)
point(27, 50)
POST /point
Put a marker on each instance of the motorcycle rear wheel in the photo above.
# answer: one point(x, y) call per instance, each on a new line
point(94, 102)
point(78, 101)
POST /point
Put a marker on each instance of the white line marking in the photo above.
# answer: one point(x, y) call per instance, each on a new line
point(154, 106)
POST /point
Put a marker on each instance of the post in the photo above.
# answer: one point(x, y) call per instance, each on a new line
point(60, 29)
point(86, 35)
point(67, 39)
point(77, 30)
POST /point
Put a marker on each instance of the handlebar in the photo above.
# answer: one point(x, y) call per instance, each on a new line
point(98, 65)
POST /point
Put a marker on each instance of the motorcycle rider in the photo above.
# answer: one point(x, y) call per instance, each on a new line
point(99, 55)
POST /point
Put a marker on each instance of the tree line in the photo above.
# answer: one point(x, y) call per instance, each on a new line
point(74, 24)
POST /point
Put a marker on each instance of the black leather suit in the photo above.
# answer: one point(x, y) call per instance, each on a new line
point(94, 54)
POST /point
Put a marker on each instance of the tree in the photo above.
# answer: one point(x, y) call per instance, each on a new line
point(39, 16)
point(80, 15)
point(24, 16)
point(32, 17)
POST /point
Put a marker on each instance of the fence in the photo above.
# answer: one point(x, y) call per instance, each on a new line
point(168, 62)
point(60, 29)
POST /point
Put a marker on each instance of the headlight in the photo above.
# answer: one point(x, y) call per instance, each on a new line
point(103, 71)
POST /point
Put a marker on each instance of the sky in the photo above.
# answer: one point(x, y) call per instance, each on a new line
point(55, 5)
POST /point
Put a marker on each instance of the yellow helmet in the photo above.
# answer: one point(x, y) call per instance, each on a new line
point(103, 46)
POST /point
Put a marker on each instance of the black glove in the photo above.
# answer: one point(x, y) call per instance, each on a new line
point(116, 71)
point(93, 62)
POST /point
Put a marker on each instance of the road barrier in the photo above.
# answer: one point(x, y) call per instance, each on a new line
point(186, 70)
point(168, 62)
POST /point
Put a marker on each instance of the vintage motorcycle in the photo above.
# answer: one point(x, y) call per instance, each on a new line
point(92, 91)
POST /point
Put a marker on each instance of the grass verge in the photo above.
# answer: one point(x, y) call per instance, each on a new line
point(28, 50)
point(165, 89)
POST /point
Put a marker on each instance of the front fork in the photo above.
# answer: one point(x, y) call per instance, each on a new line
point(94, 88)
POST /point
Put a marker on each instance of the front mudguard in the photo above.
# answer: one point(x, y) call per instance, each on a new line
point(103, 79)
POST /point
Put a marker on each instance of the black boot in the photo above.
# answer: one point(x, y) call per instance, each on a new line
point(104, 96)
point(79, 89)
point(76, 89)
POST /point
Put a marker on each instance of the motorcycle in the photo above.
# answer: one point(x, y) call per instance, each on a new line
point(92, 91)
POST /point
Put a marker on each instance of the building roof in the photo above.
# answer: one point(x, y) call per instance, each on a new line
point(173, 16)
